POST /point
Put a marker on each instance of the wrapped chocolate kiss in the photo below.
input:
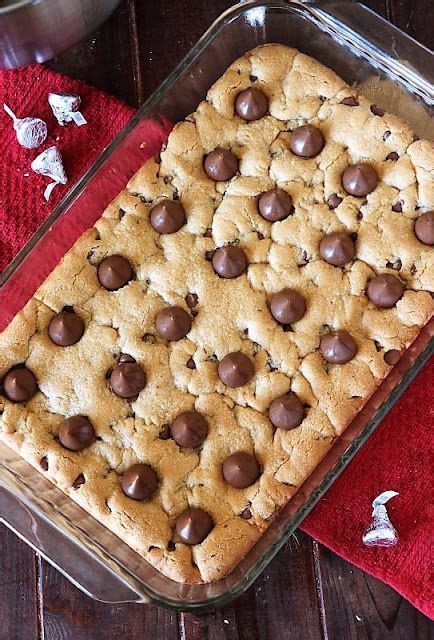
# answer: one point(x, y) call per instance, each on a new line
point(49, 163)
point(31, 132)
point(65, 108)
point(381, 532)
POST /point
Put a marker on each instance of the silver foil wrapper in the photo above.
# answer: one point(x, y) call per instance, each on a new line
point(65, 108)
point(31, 132)
point(49, 163)
point(381, 532)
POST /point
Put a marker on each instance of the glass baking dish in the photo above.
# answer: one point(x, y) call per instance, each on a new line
point(393, 71)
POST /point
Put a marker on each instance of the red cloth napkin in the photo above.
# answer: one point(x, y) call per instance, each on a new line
point(398, 456)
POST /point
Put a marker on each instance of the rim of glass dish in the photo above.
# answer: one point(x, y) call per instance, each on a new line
point(15, 5)
point(121, 572)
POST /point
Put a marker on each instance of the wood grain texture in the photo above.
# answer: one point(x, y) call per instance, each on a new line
point(70, 615)
point(273, 607)
point(360, 606)
point(19, 609)
point(306, 593)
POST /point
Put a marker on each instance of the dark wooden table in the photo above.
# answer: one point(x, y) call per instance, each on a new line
point(307, 592)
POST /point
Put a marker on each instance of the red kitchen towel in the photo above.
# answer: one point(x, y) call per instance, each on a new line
point(399, 456)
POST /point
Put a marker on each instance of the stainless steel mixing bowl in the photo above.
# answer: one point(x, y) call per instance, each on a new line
point(37, 30)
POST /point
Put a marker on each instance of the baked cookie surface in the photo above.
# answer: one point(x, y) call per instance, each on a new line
point(267, 275)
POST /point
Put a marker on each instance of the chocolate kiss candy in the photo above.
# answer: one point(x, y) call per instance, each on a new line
point(76, 433)
point(424, 228)
point(381, 532)
point(127, 379)
point(251, 104)
point(65, 108)
point(31, 132)
point(359, 179)
point(221, 164)
point(385, 290)
point(173, 323)
point(189, 429)
point(19, 385)
point(338, 347)
point(66, 328)
point(306, 141)
point(139, 482)
point(287, 411)
point(49, 163)
point(240, 470)
point(235, 369)
point(193, 525)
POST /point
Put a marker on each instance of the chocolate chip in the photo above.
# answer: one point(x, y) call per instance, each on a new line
point(208, 233)
point(391, 357)
point(229, 262)
point(148, 337)
point(378, 346)
point(287, 306)
point(253, 78)
point(350, 101)
point(397, 207)
point(121, 213)
point(165, 433)
point(66, 328)
point(114, 272)
point(240, 470)
point(191, 363)
point(334, 201)
point(235, 369)
point(338, 347)
point(246, 514)
point(78, 481)
point(377, 111)
point(43, 463)
point(193, 525)
point(127, 380)
point(424, 228)
point(275, 204)
point(139, 482)
point(189, 429)
point(385, 290)
point(337, 248)
point(191, 300)
point(392, 156)
point(167, 216)
point(171, 546)
point(359, 215)
point(125, 357)
point(359, 179)
point(397, 265)
point(221, 164)
point(306, 141)
point(251, 104)
point(173, 323)
point(76, 433)
point(386, 134)
point(19, 384)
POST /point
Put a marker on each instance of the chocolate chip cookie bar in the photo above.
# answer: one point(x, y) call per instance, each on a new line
point(193, 357)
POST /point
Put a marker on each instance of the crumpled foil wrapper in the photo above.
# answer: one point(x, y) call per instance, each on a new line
point(381, 532)
point(65, 108)
point(31, 132)
point(49, 163)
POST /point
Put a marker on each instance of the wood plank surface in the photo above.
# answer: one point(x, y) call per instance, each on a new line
point(307, 592)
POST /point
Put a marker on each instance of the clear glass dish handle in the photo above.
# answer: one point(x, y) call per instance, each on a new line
point(79, 566)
